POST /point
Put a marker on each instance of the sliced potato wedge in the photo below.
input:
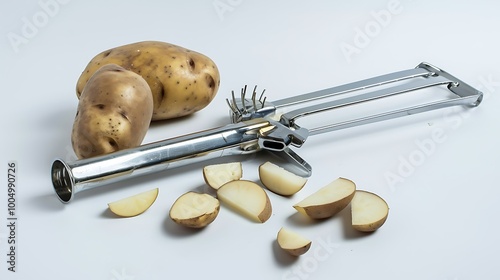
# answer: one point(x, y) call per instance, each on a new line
point(328, 200)
point(369, 211)
point(134, 205)
point(216, 175)
point(246, 198)
point(292, 242)
point(195, 210)
point(279, 180)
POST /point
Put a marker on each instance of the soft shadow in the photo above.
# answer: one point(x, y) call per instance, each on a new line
point(172, 229)
point(131, 182)
point(282, 258)
point(204, 188)
point(107, 214)
point(108, 188)
point(299, 219)
point(47, 203)
point(349, 231)
point(59, 124)
point(160, 123)
point(215, 121)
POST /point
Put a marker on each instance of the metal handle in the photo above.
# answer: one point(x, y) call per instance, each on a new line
point(234, 139)
point(423, 76)
point(351, 87)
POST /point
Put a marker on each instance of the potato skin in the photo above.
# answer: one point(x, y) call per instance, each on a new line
point(372, 226)
point(327, 210)
point(200, 221)
point(299, 251)
point(114, 112)
point(181, 81)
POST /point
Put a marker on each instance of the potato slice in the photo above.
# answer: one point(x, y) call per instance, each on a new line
point(246, 198)
point(369, 211)
point(328, 200)
point(134, 205)
point(195, 210)
point(279, 180)
point(217, 175)
point(292, 242)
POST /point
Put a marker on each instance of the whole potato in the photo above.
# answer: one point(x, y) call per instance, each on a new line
point(114, 112)
point(182, 81)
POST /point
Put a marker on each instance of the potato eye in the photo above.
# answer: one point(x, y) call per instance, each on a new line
point(192, 64)
point(107, 53)
point(113, 143)
point(124, 115)
point(210, 81)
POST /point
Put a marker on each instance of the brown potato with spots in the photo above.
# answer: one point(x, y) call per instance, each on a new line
point(182, 81)
point(114, 112)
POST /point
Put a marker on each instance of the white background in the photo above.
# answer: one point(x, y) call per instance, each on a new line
point(443, 211)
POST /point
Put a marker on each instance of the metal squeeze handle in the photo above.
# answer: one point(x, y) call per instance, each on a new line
point(234, 139)
point(430, 76)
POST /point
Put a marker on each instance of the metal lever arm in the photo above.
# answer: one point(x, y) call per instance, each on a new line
point(463, 95)
point(351, 87)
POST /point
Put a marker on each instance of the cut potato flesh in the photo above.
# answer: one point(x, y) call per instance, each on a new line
point(134, 205)
point(279, 180)
point(328, 200)
point(292, 242)
point(217, 175)
point(246, 198)
point(369, 211)
point(195, 210)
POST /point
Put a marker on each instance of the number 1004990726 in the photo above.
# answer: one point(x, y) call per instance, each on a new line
point(11, 188)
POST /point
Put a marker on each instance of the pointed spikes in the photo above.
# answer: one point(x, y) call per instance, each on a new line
point(231, 106)
point(263, 101)
point(254, 94)
point(260, 98)
point(243, 108)
point(234, 102)
point(243, 93)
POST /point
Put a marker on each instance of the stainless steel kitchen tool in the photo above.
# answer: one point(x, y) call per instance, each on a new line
point(257, 125)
